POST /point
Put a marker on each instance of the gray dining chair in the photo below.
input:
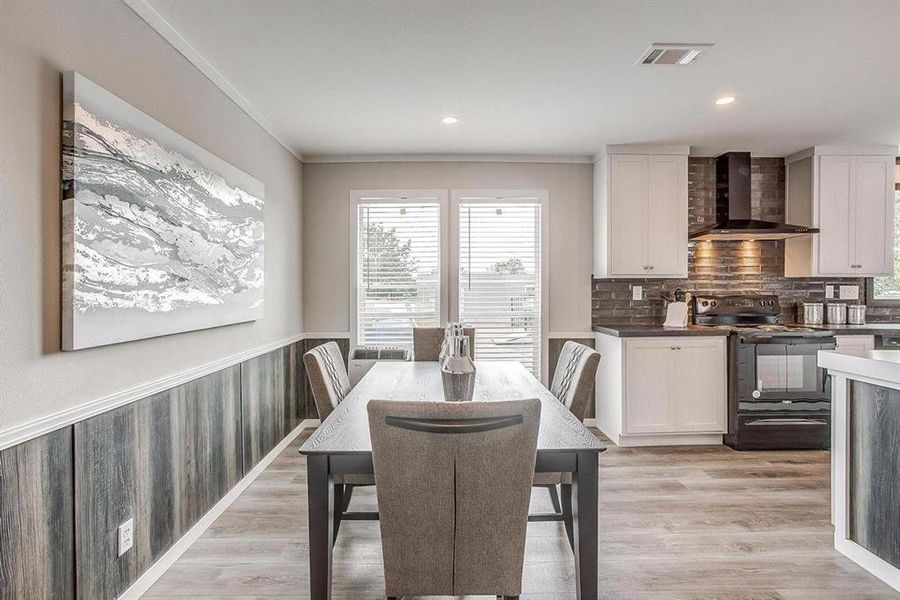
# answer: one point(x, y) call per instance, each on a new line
point(453, 485)
point(573, 385)
point(330, 384)
point(328, 377)
point(427, 342)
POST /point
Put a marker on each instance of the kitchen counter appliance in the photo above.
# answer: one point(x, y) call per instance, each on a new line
point(778, 398)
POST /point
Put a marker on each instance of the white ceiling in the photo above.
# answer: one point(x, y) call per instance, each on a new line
point(540, 77)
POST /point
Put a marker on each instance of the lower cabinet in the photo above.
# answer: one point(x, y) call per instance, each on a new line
point(854, 344)
point(663, 390)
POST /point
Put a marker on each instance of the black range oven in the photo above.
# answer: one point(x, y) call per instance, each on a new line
point(778, 398)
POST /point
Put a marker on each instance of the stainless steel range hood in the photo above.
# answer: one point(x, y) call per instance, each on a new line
point(733, 220)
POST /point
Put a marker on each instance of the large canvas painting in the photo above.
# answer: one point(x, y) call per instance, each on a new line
point(159, 235)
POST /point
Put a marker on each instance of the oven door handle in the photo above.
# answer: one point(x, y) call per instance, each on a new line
point(787, 421)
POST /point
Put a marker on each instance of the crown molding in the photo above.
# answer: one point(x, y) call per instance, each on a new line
point(158, 23)
point(449, 158)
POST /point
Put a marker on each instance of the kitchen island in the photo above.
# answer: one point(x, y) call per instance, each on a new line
point(865, 485)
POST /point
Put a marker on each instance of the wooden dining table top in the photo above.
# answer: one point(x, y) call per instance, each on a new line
point(346, 430)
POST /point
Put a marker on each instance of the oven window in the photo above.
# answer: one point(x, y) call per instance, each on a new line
point(784, 368)
point(801, 373)
point(771, 372)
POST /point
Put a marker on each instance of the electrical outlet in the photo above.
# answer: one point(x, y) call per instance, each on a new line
point(637, 292)
point(126, 536)
point(829, 292)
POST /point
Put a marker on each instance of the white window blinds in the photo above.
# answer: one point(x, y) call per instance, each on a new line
point(500, 278)
point(398, 270)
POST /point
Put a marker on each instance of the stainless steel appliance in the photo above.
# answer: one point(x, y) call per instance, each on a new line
point(778, 398)
point(887, 342)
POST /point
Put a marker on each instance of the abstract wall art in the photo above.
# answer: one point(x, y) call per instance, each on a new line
point(158, 235)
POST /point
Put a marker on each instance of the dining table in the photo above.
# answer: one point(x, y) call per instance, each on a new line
point(341, 446)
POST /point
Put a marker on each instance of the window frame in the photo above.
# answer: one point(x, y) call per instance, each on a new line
point(506, 196)
point(396, 196)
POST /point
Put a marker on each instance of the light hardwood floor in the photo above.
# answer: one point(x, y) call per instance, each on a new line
point(675, 523)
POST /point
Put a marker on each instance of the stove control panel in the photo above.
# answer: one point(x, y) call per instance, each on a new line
point(729, 305)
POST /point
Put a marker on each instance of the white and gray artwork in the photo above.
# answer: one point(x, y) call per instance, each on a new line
point(159, 236)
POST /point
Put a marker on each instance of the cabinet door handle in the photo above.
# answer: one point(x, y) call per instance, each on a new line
point(651, 267)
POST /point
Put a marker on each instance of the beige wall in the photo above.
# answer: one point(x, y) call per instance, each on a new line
point(109, 44)
point(326, 248)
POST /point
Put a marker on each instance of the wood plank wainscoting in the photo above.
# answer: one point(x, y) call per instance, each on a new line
point(37, 530)
point(164, 460)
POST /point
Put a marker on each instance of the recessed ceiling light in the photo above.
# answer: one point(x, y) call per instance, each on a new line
point(725, 100)
point(448, 120)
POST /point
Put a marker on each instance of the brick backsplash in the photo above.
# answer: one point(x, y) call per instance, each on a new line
point(727, 267)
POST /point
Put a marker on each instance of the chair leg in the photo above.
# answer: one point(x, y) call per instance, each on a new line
point(566, 489)
point(348, 493)
point(338, 509)
point(554, 499)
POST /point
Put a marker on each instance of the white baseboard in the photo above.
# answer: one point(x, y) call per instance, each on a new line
point(157, 569)
point(674, 439)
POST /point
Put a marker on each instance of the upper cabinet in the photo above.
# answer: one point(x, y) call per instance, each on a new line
point(848, 193)
point(641, 212)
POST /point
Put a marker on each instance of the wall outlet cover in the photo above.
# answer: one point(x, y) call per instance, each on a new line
point(126, 536)
point(637, 292)
point(829, 292)
point(849, 292)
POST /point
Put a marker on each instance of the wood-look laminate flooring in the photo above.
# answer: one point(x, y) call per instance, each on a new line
point(675, 523)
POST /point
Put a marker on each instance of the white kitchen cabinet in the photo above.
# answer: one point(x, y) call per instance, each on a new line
point(854, 344)
point(848, 193)
point(662, 390)
point(640, 212)
point(648, 379)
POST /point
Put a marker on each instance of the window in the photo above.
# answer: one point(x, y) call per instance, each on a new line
point(885, 291)
point(500, 274)
point(398, 275)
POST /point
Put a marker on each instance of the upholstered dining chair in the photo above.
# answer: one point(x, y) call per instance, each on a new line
point(573, 384)
point(330, 384)
point(453, 484)
point(427, 342)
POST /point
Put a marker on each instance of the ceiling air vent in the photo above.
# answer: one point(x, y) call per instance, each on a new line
point(672, 54)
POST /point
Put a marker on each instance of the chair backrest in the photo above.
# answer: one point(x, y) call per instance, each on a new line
point(327, 377)
point(427, 342)
point(453, 482)
point(573, 380)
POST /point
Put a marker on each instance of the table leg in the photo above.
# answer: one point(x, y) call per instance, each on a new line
point(320, 495)
point(584, 512)
point(566, 490)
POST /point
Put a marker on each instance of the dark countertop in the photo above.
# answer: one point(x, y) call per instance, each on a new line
point(867, 329)
point(629, 330)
